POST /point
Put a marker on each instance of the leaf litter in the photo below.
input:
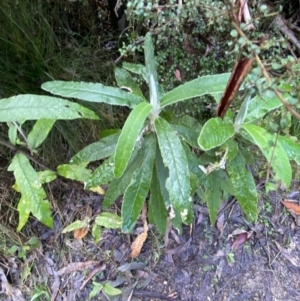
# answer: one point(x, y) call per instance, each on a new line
point(247, 262)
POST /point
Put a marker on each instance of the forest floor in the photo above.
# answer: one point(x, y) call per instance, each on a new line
point(233, 260)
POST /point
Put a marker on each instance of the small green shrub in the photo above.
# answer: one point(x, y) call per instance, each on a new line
point(154, 152)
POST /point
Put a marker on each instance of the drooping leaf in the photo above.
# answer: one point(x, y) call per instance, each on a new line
point(93, 92)
point(272, 150)
point(33, 194)
point(210, 84)
point(125, 80)
point(136, 192)
point(215, 132)
point(99, 150)
point(244, 186)
point(39, 132)
point(109, 220)
point(118, 185)
point(157, 205)
point(292, 149)
point(129, 136)
point(74, 172)
point(34, 107)
point(178, 183)
point(101, 175)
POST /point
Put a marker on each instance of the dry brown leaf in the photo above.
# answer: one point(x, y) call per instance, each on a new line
point(138, 243)
point(80, 233)
point(291, 206)
point(178, 75)
point(77, 266)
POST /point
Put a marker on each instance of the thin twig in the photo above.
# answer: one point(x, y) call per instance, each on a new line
point(15, 149)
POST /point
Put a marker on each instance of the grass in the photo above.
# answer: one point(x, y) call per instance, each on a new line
point(42, 41)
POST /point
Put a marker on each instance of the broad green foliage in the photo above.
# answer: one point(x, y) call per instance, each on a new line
point(129, 135)
point(33, 196)
point(92, 92)
point(155, 154)
point(34, 107)
point(101, 149)
point(211, 84)
point(272, 150)
point(136, 193)
point(178, 183)
point(244, 186)
point(215, 132)
point(39, 132)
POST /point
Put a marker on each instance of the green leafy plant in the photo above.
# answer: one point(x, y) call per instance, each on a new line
point(170, 158)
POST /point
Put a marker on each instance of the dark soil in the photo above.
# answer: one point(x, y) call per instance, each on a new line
point(204, 263)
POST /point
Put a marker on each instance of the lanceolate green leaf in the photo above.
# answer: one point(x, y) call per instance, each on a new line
point(34, 107)
point(213, 195)
point(210, 84)
point(136, 192)
point(259, 106)
point(39, 132)
point(33, 194)
point(215, 132)
point(162, 174)
point(93, 92)
point(125, 80)
point(109, 220)
point(291, 148)
point(74, 172)
point(157, 206)
point(272, 150)
point(101, 175)
point(244, 186)
point(151, 71)
point(99, 150)
point(118, 185)
point(129, 136)
point(178, 183)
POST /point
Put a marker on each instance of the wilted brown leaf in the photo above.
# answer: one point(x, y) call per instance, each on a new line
point(240, 71)
point(138, 243)
point(291, 206)
point(80, 233)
